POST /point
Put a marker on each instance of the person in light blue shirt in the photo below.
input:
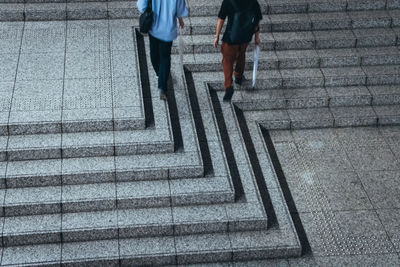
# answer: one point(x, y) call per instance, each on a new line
point(161, 35)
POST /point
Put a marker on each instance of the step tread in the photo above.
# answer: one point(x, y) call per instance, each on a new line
point(314, 77)
point(299, 6)
point(307, 40)
point(107, 196)
point(315, 34)
point(159, 250)
point(322, 117)
point(84, 226)
point(307, 16)
point(329, 96)
point(316, 20)
point(84, 144)
point(104, 164)
point(281, 55)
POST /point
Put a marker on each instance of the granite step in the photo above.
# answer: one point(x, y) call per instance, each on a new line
point(86, 144)
point(132, 223)
point(305, 40)
point(314, 77)
point(50, 121)
point(309, 58)
point(185, 162)
point(90, 10)
point(317, 97)
point(210, 7)
point(238, 226)
point(71, 10)
point(206, 248)
point(90, 137)
point(33, 173)
point(116, 195)
point(349, 20)
point(327, 117)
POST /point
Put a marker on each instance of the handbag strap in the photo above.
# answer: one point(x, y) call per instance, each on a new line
point(149, 4)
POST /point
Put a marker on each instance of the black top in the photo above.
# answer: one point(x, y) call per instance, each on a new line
point(228, 10)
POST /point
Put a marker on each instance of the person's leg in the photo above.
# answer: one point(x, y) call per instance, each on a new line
point(228, 59)
point(154, 53)
point(165, 66)
point(240, 63)
point(229, 54)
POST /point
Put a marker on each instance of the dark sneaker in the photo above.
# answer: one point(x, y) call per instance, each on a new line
point(228, 94)
point(239, 80)
point(163, 96)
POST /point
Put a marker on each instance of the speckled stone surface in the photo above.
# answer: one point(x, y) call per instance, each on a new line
point(96, 170)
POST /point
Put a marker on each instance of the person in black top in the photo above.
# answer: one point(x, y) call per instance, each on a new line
point(234, 51)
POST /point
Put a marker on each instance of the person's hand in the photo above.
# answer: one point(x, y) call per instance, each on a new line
point(216, 41)
point(181, 23)
point(257, 40)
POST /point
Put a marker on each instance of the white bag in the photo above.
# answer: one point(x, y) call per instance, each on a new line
point(255, 66)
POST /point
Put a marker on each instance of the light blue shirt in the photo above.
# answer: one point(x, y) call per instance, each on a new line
point(166, 13)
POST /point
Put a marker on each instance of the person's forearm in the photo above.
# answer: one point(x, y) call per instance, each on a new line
point(257, 30)
point(181, 22)
point(220, 23)
point(257, 35)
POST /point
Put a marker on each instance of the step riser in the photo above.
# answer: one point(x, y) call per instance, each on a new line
point(269, 45)
point(212, 257)
point(68, 11)
point(356, 121)
point(121, 203)
point(304, 7)
point(317, 102)
point(134, 231)
point(79, 152)
point(62, 10)
point(306, 26)
point(300, 63)
point(100, 176)
point(310, 82)
point(71, 127)
point(308, 102)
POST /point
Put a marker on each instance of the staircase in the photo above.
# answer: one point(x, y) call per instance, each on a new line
point(96, 170)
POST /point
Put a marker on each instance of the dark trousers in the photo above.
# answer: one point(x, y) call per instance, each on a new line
point(160, 54)
point(232, 54)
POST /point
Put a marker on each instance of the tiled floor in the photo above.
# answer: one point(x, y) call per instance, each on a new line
point(345, 183)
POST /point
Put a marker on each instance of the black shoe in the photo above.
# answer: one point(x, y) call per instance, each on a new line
point(239, 80)
point(228, 94)
point(163, 96)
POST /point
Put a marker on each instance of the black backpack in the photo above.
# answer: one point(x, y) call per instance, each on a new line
point(244, 24)
point(146, 19)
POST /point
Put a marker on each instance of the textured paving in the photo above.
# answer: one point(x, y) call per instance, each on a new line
point(96, 170)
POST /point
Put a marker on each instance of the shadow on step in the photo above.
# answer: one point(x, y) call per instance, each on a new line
point(306, 248)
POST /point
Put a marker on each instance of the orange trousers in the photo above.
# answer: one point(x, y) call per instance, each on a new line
point(232, 54)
